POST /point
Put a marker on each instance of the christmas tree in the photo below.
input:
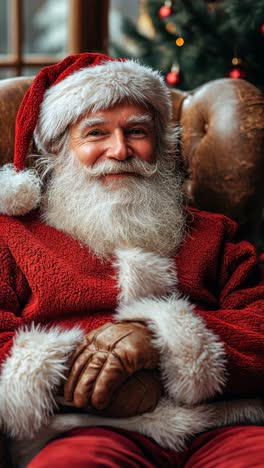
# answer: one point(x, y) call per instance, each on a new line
point(192, 42)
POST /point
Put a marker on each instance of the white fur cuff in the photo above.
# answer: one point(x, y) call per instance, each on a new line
point(30, 376)
point(192, 359)
point(169, 425)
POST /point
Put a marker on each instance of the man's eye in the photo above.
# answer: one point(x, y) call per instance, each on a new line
point(136, 131)
point(95, 133)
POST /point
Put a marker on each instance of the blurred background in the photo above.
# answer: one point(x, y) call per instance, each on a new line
point(190, 41)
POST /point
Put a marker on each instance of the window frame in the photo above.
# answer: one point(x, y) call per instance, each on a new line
point(87, 32)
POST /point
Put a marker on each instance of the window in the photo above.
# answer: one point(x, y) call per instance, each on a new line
point(35, 33)
point(121, 11)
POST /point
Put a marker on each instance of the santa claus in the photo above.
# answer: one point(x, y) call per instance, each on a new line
point(109, 282)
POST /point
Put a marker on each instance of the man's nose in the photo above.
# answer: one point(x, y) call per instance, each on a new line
point(119, 148)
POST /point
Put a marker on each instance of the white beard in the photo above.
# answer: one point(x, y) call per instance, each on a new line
point(144, 211)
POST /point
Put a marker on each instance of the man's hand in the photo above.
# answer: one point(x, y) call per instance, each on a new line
point(105, 359)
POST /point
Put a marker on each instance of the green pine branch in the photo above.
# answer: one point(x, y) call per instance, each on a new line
point(212, 39)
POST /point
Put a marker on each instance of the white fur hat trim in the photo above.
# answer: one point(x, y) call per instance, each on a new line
point(96, 88)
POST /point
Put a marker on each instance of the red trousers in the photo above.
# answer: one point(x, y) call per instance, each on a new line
point(230, 447)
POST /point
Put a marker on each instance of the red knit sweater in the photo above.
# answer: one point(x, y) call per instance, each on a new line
point(49, 278)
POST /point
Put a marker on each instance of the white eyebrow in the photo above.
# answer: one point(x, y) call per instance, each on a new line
point(140, 118)
point(90, 122)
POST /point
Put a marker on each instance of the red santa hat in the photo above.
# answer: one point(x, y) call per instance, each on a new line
point(58, 96)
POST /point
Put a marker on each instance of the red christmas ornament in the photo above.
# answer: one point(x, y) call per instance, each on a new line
point(165, 11)
point(261, 257)
point(262, 29)
point(237, 72)
point(173, 78)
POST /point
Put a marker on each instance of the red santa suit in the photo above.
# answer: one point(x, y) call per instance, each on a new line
point(203, 305)
point(211, 345)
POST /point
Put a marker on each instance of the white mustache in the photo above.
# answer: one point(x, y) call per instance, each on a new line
point(136, 166)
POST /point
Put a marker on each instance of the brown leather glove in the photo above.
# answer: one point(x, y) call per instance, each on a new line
point(105, 359)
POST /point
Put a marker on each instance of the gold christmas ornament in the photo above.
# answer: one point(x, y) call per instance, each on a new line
point(144, 24)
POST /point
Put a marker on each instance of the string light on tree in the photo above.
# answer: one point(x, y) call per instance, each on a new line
point(212, 5)
point(166, 10)
point(173, 77)
point(236, 61)
point(179, 41)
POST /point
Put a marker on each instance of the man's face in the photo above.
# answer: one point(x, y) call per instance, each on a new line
point(110, 187)
point(119, 134)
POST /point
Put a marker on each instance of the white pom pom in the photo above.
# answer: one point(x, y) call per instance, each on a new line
point(20, 192)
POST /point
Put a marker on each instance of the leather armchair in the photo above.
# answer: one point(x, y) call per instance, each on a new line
point(221, 145)
point(221, 148)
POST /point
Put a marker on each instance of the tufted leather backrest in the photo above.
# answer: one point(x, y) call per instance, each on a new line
point(222, 150)
point(221, 145)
